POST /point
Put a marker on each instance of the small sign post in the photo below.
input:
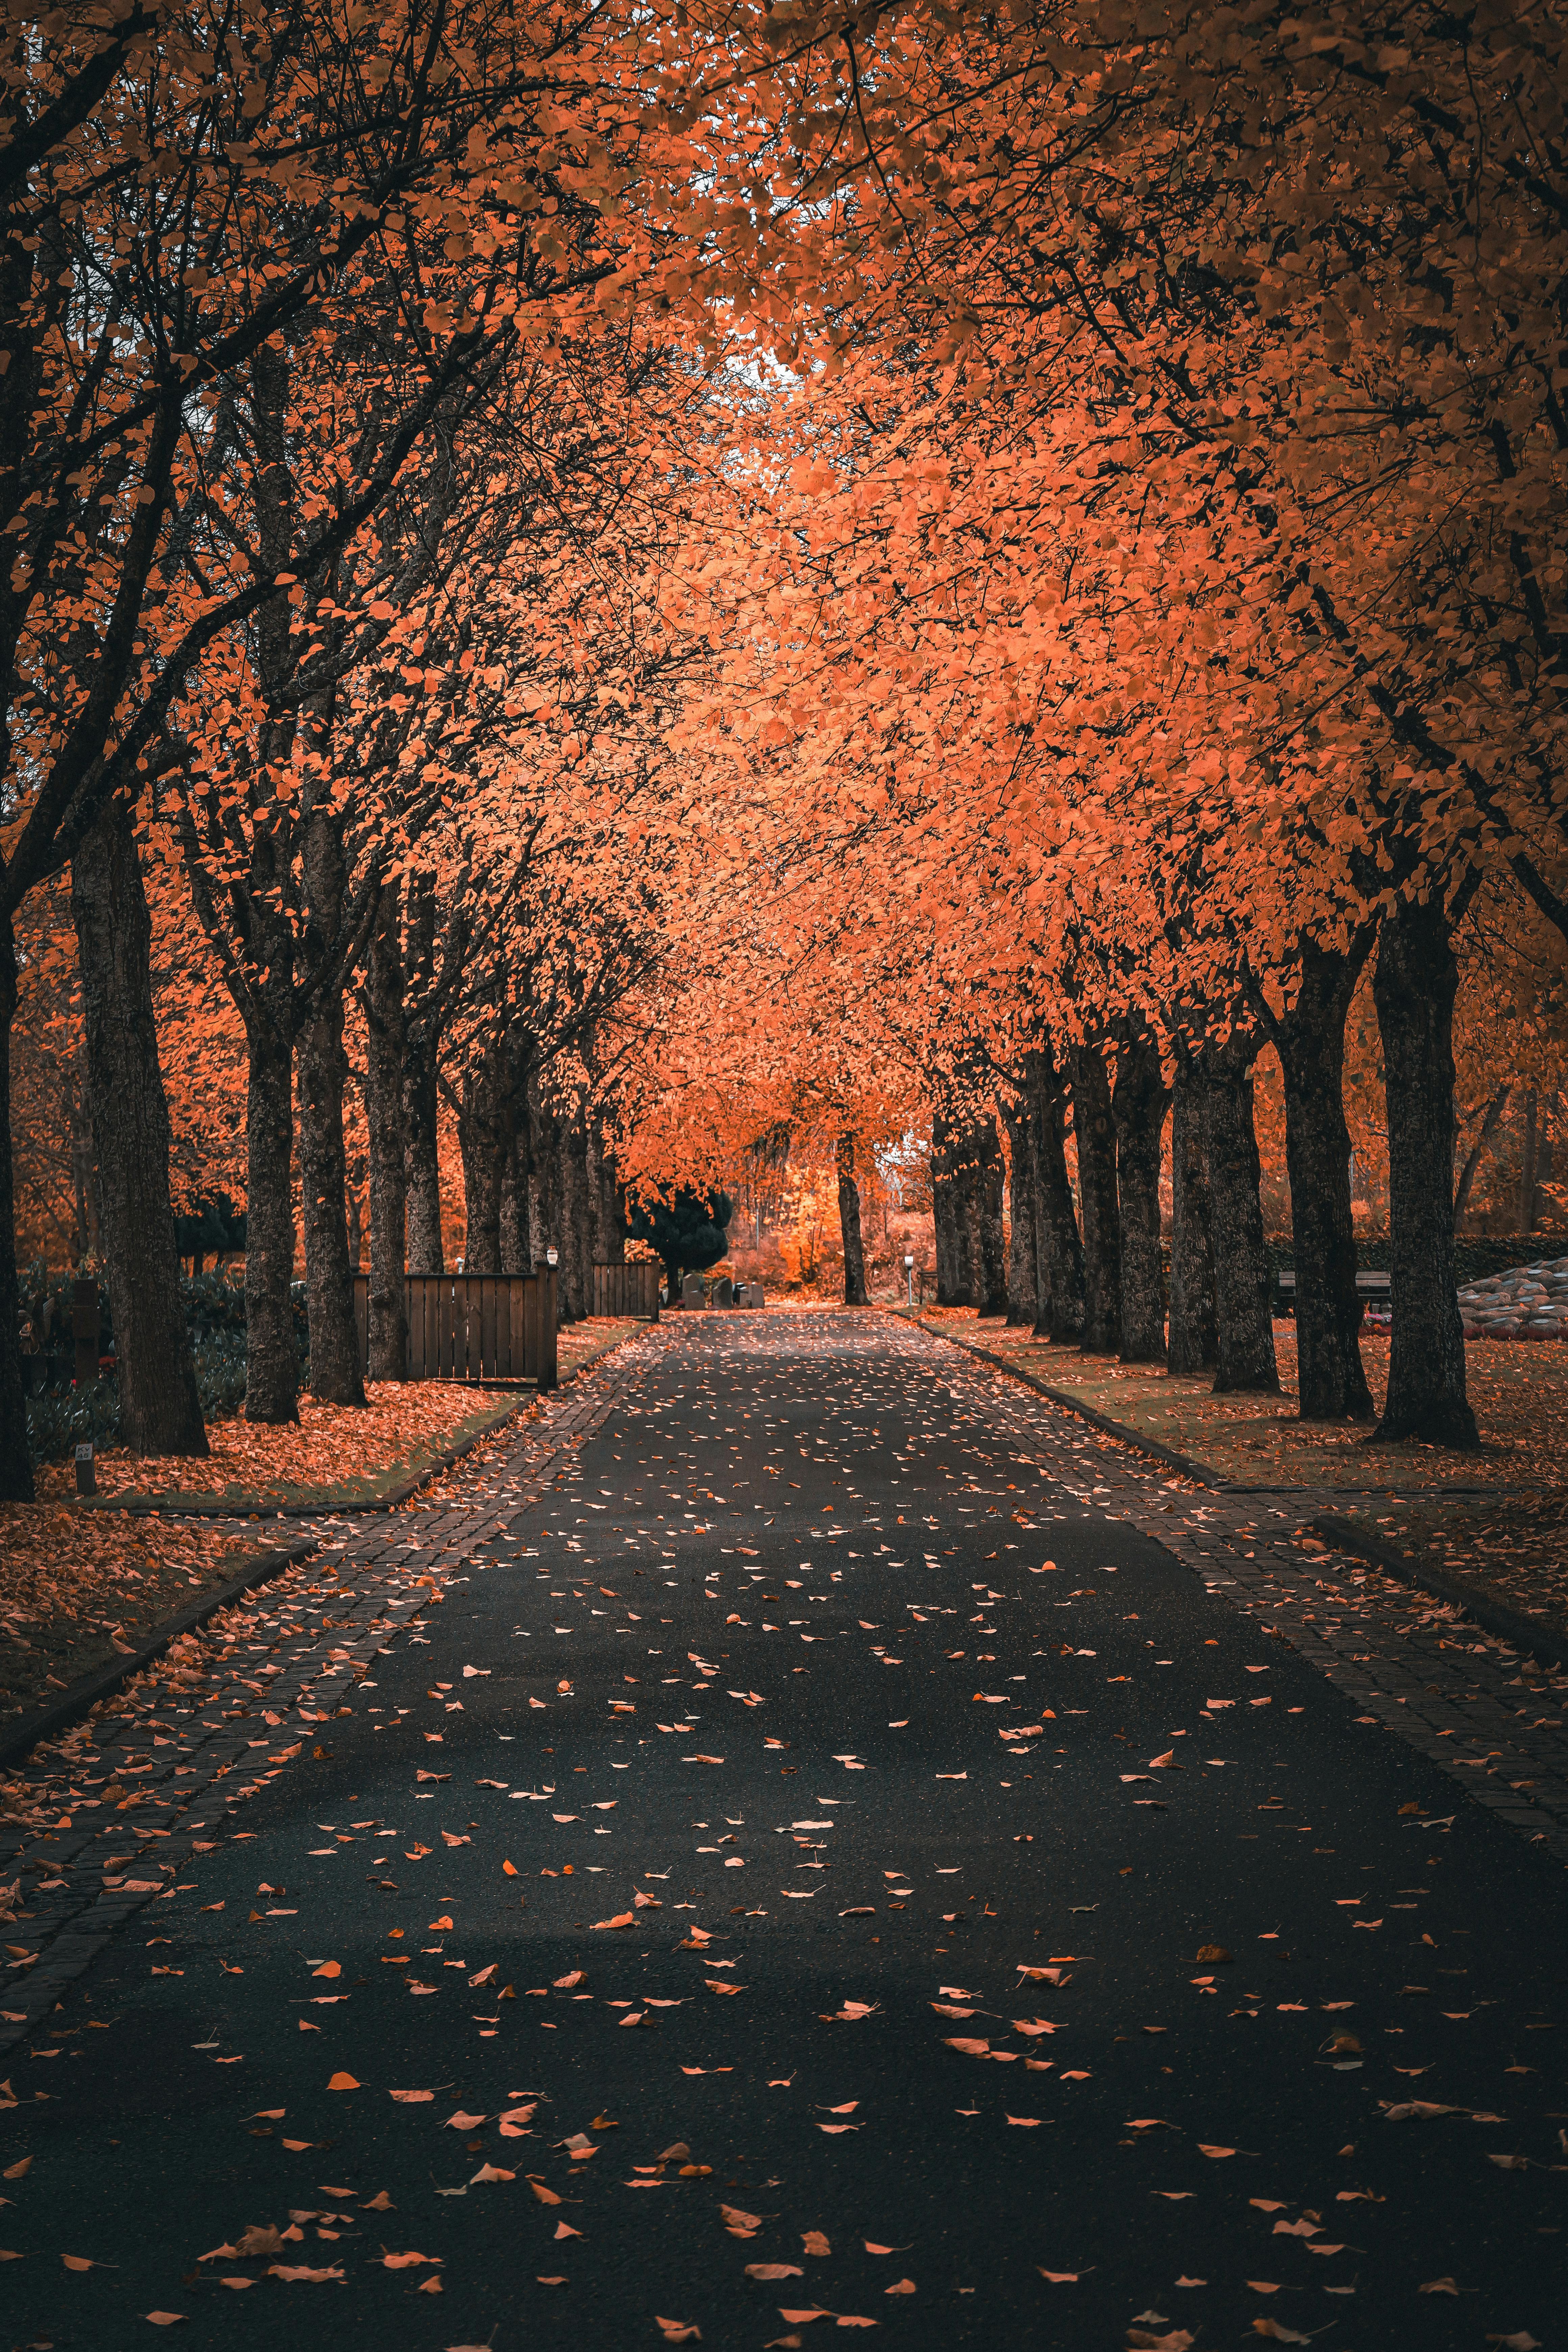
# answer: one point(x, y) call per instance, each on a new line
point(85, 1477)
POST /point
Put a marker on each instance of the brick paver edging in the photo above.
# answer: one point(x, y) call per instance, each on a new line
point(79, 1697)
point(1540, 1637)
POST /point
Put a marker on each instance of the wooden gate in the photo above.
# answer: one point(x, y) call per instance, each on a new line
point(474, 1327)
point(631, 1289)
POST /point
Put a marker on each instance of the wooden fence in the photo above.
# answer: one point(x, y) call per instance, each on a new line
point(474, 1327)
point(627, 1289)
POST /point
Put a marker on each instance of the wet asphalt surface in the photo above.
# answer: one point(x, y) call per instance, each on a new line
point(738, 1687)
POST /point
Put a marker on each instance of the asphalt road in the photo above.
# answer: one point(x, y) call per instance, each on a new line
point(750, 1665)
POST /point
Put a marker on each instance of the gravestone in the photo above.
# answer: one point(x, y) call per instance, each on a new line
point(724, 1292)
point(692, 1291)
point(754, 1293)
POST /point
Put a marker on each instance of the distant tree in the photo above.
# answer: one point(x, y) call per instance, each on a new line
point(688, 1231)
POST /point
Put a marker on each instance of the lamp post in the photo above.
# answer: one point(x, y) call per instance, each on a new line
point(549, 1366)
point(910, 1274)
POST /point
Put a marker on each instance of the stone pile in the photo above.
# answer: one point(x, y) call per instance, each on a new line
point(1528, 1302)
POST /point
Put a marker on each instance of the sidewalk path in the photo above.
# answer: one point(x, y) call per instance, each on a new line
point(340, 2041)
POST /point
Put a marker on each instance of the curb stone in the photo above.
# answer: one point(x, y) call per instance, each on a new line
point(1541, 1638)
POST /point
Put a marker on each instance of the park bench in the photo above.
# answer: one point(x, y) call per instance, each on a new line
point(1374, 1289)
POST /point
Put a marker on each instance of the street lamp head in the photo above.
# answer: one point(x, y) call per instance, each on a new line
point(909, 1257)
point(552, 1255)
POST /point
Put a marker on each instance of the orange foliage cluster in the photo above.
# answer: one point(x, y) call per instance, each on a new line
point(867, 543)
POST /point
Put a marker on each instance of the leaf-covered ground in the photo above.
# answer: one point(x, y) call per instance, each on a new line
point(333, 1451)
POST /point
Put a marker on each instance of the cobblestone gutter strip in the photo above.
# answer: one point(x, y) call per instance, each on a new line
point(71, 1875)
point(1198, 1471)
point(1538, 1637)
point(81, 1696)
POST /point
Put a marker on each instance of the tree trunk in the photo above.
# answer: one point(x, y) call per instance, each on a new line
point(609, 1230)
point(385, 1074)
point(1058, 1249)
point(1244, 1316)
point(15, 1455)
point(480, 1146)
point(159, 1408)
point(322, 1066)
point(546, 1153)
point(849, 1226)
point(1192, 1344)
point(1023, 1290)
point(1494, 1112)
point(579, 1221)
point(566, 1224)
point(87, 1241)
point(514, 1189)
point(336, 1377)
point(988, 1284)
point(1530, 1147)
point(272, 1363)
point(952, 1256)
point(421, 1091)
point(1139, 1110)
point(1094, 1126)
point(1414, 986)
point(421, 1112)
point(1310, 1040)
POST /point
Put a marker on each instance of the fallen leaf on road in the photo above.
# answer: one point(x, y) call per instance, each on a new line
point(266, 2239)
point(292, 2272)
point(459, 2121)
point(406, 2261)
point(545, 2195)
point(342, 2083)
point(773, 2269)
point(411, 2098)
